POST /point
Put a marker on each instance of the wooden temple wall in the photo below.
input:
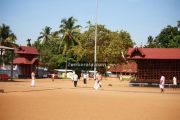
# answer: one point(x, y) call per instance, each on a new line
point(26, 70)
point(151, 70)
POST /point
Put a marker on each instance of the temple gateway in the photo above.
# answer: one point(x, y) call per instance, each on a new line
point(27, 60)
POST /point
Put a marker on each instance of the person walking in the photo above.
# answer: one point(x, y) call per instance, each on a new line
point(98, 80)
point(33, 79)
point(85, 78)
point(174, 82)
point(53, 75)
point(162, 83)
point(75, 79)
point(120, 77)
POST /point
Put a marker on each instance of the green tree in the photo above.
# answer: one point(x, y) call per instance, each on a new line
point(175, 42)
point(118, 46)
point(48, 44)
point(178, 24)
point(68, 44)
point(151, 43)
point(126, 39)
point(70, 33)
point(110, 45)
point(169, 37)
point(45, 35)
point(56, 40)
point(7, 37)
point(150, 40)
point(166, 36)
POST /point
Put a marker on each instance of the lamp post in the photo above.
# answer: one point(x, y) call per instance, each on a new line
point(95, 40)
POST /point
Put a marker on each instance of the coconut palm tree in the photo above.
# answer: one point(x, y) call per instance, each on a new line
point(69, 32)
point(7, 38)
point(45, 35)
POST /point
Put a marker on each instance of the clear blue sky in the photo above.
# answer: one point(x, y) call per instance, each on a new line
point(140, 18)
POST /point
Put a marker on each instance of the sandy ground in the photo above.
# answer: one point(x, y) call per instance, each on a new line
point(59, 100)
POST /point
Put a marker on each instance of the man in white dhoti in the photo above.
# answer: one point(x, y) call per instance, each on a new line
point(32, 79)
point(174, 82)
point(97, 83)
point(162, 82)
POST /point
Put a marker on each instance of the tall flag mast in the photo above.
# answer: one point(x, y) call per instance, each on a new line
point(95, 59)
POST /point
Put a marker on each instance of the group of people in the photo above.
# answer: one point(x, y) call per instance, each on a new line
point(162, 83)
point(75, 77)
point(98, 79)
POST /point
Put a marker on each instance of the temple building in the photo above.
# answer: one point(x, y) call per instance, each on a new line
point(154, 62)
point(26, 59)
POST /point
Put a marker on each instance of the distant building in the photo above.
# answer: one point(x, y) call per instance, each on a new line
point(27, 61)
point(154, 62)
point(128, 68)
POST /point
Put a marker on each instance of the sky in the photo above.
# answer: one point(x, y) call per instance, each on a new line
point(140, 18)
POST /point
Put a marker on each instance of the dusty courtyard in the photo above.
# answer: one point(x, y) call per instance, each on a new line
point(59, 100)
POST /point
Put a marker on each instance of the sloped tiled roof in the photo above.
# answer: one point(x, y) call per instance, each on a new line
point(129, 67)
point(22, 60)
point(26, 50)
point(154, 53)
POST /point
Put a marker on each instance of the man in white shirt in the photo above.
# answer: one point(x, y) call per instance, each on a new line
point(84, 78)
point(75, 79)
point(162, 82)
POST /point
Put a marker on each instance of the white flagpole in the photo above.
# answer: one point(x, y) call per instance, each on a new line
point(95, 59)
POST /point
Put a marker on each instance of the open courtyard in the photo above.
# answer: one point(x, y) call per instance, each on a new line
point(59, 100)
